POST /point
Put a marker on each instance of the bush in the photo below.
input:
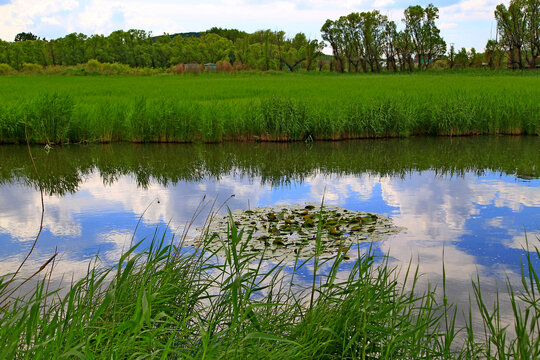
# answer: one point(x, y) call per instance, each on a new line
point(178, 68)
point(224, 66)
point(118, 68)
point(29, 67)
point(93, 65)
point(239, 66)
point(5, 69)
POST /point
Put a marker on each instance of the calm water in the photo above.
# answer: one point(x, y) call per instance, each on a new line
point(474, 197)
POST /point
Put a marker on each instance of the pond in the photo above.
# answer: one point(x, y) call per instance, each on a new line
point(475, 199)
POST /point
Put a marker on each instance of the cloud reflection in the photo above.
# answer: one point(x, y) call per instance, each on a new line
point(463, 214)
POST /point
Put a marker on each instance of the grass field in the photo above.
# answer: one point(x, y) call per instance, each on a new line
point(266, 106)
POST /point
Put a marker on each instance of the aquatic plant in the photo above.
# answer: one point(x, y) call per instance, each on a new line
point(290, 231)
point(174, 302)
point(263, 107)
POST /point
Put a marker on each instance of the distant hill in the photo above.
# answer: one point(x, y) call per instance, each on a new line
point(231, 34)
point(189, 34)
point(184, 35)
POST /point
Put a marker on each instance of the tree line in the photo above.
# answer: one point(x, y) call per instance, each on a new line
point(368, 39)
point(263, 50)
point(365, 41)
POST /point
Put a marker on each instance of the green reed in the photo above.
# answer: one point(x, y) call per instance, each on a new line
point(220, 107)
point(184, 303)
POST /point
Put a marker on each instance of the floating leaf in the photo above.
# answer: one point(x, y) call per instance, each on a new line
point(295, 227)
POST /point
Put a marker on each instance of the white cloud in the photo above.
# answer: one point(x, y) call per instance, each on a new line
point(21, 217)
point(469, 10)
point(50, 20)
point(119, 239)
point(20, 214)
point(435, 212)
point(447, 25)
point(524, 240)
point(22, 15)
point(336, 189)
point(101, 16)
point(383, 3)
point(496, 222)
point(434, 209)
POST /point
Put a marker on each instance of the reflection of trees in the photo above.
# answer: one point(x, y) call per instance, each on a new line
point(64, 168)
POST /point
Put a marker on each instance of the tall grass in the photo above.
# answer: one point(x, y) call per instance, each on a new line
point(218, 107)
point(175, 302)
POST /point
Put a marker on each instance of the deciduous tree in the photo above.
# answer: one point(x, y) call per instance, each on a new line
point(25, 36)
point(427, 43)
point(332, 32)
point(512, 26)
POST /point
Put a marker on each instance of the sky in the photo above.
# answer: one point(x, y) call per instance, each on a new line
point(464, 23)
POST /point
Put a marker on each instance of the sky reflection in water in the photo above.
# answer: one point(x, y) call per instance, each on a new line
point(480, 216)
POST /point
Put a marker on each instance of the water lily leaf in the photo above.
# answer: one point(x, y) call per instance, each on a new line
point(295, 227)
point(278, 241)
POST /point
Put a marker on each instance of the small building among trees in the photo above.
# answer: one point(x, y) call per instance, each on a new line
point(210, 67)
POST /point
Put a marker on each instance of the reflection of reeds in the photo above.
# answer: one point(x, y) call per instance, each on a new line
point(525, 314)
point(64, 169)
point(174, 302)
point(282, 107)
point(6, 280)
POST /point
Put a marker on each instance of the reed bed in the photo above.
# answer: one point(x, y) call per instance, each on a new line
point(265, 107)
point(179, 303)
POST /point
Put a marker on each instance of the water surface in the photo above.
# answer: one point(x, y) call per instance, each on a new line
point(478, 198)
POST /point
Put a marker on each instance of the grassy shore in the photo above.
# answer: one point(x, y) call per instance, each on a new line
point(167, 302)
point(269, 106)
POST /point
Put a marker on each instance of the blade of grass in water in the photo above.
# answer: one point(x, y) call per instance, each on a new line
point(170, 302)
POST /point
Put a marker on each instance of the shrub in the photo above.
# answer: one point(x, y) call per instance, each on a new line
point(5, 69)
point(237, 66)
point(178, 68)
point(93, 64)
point(29, 67)
point(118, 68)
point(224, 66)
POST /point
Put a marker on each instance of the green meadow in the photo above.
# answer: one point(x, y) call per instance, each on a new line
point(265, 106)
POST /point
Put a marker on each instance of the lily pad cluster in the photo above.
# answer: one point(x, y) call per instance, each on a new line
point(284, 232)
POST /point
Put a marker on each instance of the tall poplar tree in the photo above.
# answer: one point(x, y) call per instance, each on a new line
point(428, 45)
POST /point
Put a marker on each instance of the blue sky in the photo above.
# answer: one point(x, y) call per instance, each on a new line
point(466, 23)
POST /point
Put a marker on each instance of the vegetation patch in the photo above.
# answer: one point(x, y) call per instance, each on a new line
point(281, 107)
point(169, 303)
point(291, 231)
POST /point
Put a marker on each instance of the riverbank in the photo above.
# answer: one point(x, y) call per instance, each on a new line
point(167, 302)
point(265, 107)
